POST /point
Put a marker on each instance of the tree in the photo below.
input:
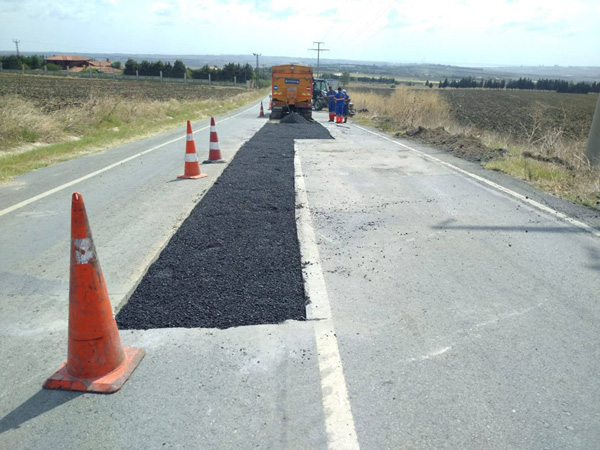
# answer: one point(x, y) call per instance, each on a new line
point(156, 68)
point(11, 62)
point(178, 69)
point(248, 72)
point(130, 67)
point(345, 78)
point(144, 68)
point(116, 65)
point(34, 62)
point(228, 72)
point(168, 72)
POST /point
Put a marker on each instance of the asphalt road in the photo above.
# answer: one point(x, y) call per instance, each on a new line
point(445, 312)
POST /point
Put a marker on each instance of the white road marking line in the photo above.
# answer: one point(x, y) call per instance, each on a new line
point(105, 169)
point(339, 422)
point(514, 194)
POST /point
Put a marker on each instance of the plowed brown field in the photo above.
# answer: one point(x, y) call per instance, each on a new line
point(520, 113)
point(53, 93)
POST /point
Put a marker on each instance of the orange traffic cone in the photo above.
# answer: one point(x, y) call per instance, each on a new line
point(214, 152)
point(192, 166)
point(262, 111)
point(270, 105)
point(96, 361)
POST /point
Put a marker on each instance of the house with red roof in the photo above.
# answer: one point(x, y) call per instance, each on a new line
point(78, 63)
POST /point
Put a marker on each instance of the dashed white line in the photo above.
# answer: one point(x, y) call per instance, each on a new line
point(339, 422)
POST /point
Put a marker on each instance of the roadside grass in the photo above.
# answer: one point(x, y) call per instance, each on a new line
point(546, 158)
point(406, 108)
point(579, 186)
point(31, 138)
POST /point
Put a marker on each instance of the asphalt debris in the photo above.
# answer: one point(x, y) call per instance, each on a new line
point(236, 259)
point(294, 118)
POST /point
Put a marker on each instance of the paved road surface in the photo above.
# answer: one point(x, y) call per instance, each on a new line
point(445, 313)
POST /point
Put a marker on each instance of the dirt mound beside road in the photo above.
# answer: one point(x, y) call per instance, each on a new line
point(466, 147)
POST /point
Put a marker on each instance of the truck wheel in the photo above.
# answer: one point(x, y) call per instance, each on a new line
point(275, 115)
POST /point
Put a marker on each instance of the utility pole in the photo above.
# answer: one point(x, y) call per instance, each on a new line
point(319, 50)
point(592, 151)
point(16, 41)
point(257, 74)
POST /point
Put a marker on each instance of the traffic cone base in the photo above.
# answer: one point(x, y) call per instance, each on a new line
point(107, 384)
point(193, 177)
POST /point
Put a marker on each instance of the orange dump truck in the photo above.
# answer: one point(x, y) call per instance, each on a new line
point(292, 90)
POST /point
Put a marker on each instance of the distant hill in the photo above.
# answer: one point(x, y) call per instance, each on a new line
point(377, 68)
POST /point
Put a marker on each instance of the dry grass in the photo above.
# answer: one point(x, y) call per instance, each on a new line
point(21, 122)
point(407, 108)
point(31, 138)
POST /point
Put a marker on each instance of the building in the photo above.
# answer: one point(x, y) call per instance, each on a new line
point(78, 63)
point(69, 61)
point(101, 66)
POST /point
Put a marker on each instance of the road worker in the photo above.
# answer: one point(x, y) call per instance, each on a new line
point(331, 103)
point(340, 99)
point(346, 105)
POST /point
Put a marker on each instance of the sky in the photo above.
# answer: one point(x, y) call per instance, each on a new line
point(457, 32)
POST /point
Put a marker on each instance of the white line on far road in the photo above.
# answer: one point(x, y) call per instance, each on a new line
point(339, 422)
point(104, 169)
point(514, 194)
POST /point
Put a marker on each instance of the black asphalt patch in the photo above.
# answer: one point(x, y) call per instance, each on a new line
point(236, 259)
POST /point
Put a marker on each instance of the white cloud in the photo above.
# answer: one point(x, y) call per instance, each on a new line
point(401, 30)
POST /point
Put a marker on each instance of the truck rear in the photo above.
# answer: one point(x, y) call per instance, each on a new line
point(292, 90)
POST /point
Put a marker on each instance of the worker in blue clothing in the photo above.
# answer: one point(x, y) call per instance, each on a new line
point(331, 103)
point(346, 105)
point(340, 100)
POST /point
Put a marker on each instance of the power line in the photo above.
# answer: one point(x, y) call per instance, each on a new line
point(319, 50)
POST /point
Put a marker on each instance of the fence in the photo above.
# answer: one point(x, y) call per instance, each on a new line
point(114, 76)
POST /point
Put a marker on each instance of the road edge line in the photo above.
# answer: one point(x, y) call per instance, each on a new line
point(339, 421)
point(490, 183)
point(105, 169)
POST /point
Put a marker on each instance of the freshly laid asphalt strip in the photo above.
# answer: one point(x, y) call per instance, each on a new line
point(236, 259)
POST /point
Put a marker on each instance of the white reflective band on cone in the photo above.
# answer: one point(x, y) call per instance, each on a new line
point(84, 250)
point(191, 157)
point(190, 137)
point(213, 129)
point(214, 146)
